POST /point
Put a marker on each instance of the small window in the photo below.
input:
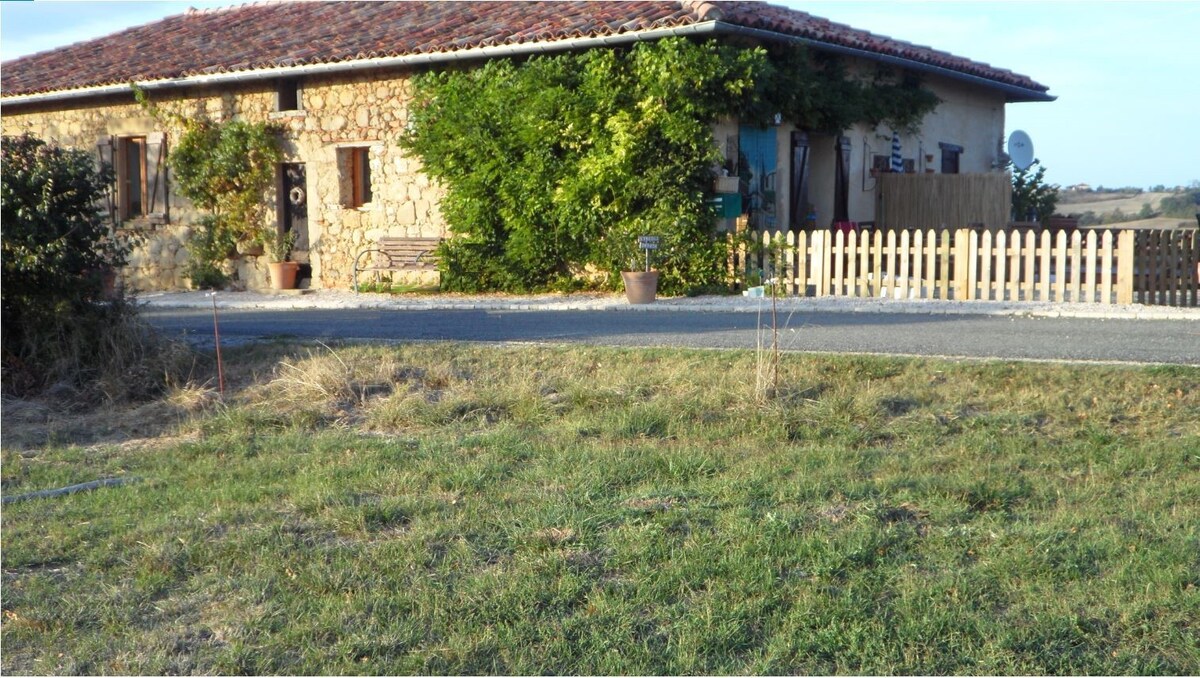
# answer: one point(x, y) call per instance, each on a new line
point(950, 153)
point(287, 95)
point(131, 177)
point(356, 175)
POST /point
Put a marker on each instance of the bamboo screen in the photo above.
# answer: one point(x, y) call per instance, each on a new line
point(941, 201)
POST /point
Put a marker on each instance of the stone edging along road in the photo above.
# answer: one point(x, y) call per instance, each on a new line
point(336, 299)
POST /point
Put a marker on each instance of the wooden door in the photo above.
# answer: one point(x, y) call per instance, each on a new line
point(293, 217)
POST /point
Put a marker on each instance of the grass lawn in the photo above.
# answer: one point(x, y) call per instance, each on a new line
point(524, 510)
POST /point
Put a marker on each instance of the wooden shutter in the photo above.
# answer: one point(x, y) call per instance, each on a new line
point(841, 186)
point(156, 178)
point(800, 167)
point(104, 147)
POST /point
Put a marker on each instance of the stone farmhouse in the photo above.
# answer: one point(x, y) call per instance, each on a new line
point(336, 76)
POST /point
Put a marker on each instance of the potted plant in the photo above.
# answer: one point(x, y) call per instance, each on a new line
point(279, 251)
point(641, 287)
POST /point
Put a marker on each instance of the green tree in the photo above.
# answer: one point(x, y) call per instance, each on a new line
point(1032, 196)
point(56, 242)
point(56, 251)
point(1184, 204)
point(224, 168)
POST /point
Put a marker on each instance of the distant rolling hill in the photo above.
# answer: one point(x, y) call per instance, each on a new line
point(1130, 204)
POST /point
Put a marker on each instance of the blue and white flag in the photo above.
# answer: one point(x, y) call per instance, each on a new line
point(897, 161)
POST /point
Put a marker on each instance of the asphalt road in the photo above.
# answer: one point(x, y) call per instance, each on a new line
point(1005, 337)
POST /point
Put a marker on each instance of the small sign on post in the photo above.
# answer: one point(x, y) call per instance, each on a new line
point(647, 243)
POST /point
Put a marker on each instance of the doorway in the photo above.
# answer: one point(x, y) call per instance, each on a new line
point(293, 213)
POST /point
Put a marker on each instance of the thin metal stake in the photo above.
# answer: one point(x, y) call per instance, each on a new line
point(217, 341)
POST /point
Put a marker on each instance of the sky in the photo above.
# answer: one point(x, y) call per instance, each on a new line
point(1126, 74)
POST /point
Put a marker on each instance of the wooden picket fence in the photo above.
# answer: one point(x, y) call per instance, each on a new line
point(1167, 268)
point(1103, 267)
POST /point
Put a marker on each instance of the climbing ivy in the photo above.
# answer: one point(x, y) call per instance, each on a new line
point(553, 165)
point(224, 168)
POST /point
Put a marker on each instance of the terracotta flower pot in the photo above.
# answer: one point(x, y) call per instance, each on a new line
point(283, 274)
point(641, 287)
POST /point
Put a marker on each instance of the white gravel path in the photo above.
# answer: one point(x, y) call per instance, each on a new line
point(336, 299)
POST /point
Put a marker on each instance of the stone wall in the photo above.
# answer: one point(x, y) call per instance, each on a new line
point(370, 110)
point(335, 113)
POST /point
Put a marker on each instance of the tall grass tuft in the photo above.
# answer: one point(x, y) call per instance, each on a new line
point(106, 353)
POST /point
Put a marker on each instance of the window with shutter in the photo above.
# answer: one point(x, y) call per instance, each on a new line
point(841, 186)
point(355, 166)
point(141, 177)
point(800, 169)
point(131, 177)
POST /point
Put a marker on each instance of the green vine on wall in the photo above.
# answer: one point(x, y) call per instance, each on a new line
point(552, 166)
point(224, 168)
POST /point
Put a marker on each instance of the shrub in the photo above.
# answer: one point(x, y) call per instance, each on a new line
point(59, 324)
point(56, 240)
point(208, 246)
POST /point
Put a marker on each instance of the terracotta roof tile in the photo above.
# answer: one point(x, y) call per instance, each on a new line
point(278, 34)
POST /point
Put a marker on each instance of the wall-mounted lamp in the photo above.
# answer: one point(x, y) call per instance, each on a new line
point(778, 119)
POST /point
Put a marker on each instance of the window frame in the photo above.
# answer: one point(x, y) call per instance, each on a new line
point(125, 190)
point(358, 159)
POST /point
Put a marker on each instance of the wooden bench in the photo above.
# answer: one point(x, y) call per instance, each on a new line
point(398, 255)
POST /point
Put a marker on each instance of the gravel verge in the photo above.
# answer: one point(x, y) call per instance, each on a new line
point(336, 299)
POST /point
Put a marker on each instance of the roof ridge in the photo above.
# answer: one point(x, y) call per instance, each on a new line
point(704, 10)
point(265, 34)
point(197, 11)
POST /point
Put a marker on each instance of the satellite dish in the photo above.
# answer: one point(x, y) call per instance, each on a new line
point(1020, 149)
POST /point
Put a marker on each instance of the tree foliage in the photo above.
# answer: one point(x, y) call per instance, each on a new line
point(553, 165)
point(1031, 195)
point(55, 239)
point(225, 167)
point(57, 252)
point(1184, 204)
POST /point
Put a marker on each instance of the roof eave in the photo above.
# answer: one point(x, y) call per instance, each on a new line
point(394, 62)
point(1012, 93)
